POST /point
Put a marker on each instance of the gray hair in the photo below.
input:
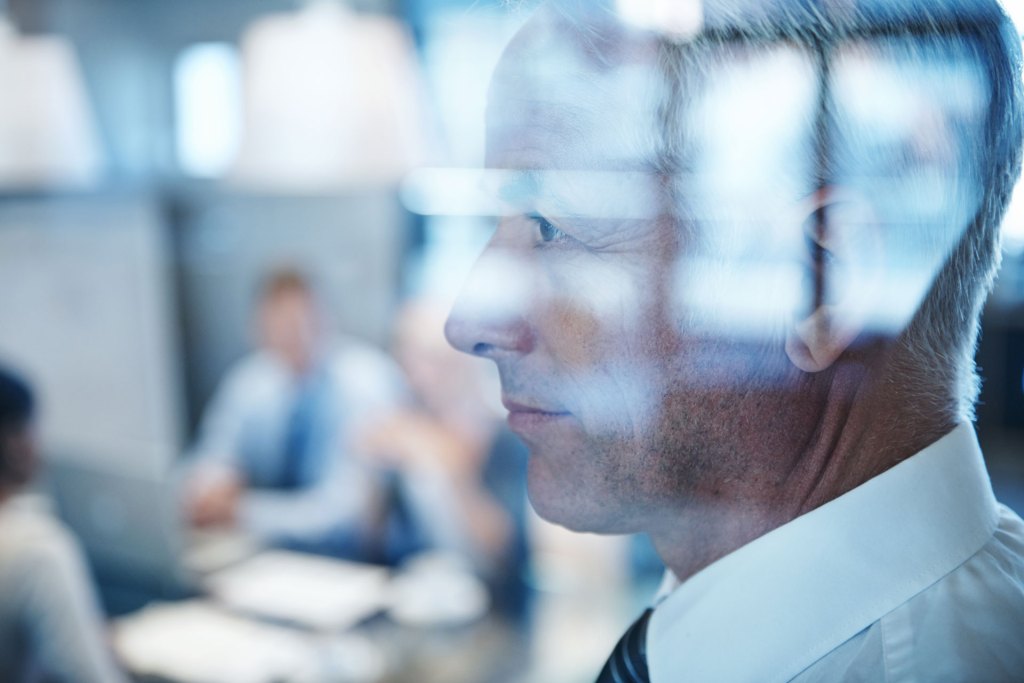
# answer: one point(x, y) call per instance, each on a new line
point(935, 373)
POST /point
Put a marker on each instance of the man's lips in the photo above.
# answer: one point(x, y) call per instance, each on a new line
point(524, 416)
point(523, 407)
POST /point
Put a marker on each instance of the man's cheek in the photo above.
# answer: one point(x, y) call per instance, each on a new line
point(580, 334)
point(601, 296)
point(617, 400)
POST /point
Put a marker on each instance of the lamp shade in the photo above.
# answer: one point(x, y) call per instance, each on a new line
point(331, 99)
point(47, 131)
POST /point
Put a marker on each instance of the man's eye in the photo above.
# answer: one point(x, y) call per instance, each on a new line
point(547, 231)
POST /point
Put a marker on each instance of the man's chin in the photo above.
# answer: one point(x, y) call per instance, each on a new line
point(572, 504)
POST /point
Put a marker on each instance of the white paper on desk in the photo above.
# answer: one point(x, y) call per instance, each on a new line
point(318, 592)
point(212, 550)
point(198, 642)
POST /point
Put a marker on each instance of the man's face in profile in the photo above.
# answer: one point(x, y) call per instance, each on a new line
point(573, 297)
point(656, 296)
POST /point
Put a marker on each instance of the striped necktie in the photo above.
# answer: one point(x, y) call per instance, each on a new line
point(628, 661)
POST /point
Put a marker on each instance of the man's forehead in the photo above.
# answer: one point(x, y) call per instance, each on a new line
point(593, 42)
point(553, 98)
point(626, 92)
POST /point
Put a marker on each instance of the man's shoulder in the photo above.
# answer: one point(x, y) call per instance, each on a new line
point(965, 627)
point(254, 364)
point(985, 594)
point(968, 626)
point(254, 374)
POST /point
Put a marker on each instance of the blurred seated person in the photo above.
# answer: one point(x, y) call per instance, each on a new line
point(274, 455)
point(50, 624)
point(452, 441)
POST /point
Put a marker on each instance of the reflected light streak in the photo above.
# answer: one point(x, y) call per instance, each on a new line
point(607, 396)
point(576, 194)
point(680, 19)
point(448, 192)
point(1015, 9)
point(1013, 223)
point(739, 299)
point(755, 300)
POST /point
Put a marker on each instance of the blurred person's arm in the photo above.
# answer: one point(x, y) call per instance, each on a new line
point(334, 504)
point(442, 477)
point(214, 480)
point(212, 496)
point(63, 621)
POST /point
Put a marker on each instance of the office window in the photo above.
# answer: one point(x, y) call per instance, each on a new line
point(208, 112)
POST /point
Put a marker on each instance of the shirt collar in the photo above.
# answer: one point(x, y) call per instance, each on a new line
point(775, 606)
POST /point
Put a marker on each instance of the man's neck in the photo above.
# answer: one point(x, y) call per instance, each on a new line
point(694, 546)
point(854, 435)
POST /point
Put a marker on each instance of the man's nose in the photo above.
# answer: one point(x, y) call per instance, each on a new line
point(491, 316)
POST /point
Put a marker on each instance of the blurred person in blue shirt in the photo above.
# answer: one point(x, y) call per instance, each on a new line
point(50, 624)
point(275, 454)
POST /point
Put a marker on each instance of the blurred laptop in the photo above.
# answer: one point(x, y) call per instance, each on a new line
point(132, 528)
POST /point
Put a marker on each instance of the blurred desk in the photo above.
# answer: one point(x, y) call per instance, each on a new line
point(284, 616)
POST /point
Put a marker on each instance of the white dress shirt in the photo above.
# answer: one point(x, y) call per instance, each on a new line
point(916, 575)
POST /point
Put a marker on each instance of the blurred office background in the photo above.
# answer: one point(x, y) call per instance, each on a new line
point(157, 158)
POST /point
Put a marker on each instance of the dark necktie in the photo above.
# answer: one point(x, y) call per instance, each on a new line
point(294, 470)
point(628, 661)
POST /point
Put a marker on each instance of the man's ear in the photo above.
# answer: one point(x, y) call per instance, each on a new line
point(844, 256)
